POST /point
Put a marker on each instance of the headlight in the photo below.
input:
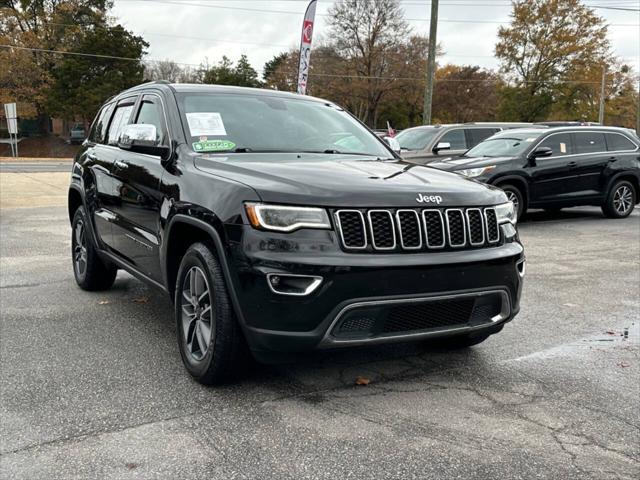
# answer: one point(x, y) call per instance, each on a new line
point(475, 172)
point(506, 212)
point(281, 218)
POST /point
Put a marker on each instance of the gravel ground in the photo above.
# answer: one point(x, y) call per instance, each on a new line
point(92, 385)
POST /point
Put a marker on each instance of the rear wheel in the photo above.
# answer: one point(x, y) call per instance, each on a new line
point(620, 201)
point(515, 195)
point(210, 340)
point(90, 271)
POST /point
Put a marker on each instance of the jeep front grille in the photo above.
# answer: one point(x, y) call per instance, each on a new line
point(416, 229)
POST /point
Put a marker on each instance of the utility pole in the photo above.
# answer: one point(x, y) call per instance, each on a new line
point(431, 63)
point(601, 112)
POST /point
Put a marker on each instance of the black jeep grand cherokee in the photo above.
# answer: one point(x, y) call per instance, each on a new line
point(281, 223)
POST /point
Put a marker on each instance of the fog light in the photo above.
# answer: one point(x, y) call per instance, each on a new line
point(295, 285)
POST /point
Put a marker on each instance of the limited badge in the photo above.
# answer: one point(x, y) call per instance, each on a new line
point(213, 146)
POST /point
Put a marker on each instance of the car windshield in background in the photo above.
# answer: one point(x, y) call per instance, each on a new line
point(502, 146)
point(416, 138)
point(259, 123)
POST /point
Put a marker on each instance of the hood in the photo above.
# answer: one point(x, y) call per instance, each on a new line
point(347, 181)
point(459, 163)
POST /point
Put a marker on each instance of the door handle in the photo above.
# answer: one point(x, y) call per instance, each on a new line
point(572, 165)
point(92, 157)
point(120, 165)
point(612, 159)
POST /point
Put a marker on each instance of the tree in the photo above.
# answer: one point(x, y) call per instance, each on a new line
point(368, 33)
point(81, 84)
point(243, 74)
point(549, 43)
point(272, 65)
point(163, 70)
point(51, 26)
point(465, 94)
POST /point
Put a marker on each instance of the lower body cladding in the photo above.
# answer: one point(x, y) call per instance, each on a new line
point(296, 301)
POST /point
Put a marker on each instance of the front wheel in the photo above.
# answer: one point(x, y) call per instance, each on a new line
point(515, 196)
point(620, 201)
point(90, 271)
point(210, 340)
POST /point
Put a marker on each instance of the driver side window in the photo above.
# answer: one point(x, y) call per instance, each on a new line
point(560, 144)
point(151, 114)
point(456, 138)
point(120, 118)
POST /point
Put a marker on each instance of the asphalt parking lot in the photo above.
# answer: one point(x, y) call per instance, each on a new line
point(92, 385)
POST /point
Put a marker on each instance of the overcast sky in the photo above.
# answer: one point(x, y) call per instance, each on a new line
point(467, 29)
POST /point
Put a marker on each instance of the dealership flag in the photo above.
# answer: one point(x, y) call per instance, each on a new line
point(305, 47)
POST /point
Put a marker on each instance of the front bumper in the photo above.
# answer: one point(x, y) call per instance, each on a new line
point(274, 322)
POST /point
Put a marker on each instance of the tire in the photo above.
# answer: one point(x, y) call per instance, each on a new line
point(621, 200)
point(515, 195)
point(90, 271)
point(210, 340)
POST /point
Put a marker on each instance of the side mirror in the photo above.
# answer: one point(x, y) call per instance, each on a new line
point(393, 144)
point(541, 152)
point(442, 146)
point(142, 138)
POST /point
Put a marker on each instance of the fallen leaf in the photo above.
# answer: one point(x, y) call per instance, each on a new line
point(623, 364)
point(362, 381)
point(131, 466)
point(141, 300)
point(103, 302)
point(611, 332)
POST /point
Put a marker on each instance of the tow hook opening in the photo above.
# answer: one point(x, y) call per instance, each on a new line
point(294, 285)
point(521, 266)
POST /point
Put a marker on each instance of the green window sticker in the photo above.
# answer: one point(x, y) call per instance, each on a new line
point(213, 146)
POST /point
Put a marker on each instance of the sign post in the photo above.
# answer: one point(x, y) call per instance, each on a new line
point(305, 47)
point(12, 126)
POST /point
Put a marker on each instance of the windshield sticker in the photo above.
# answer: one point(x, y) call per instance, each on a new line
point(205, 123)
point(213, 146)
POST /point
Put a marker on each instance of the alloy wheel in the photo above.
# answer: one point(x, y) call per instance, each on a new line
point(197, 317)
point(80, 248)
point(512, 197)
point(622, 199)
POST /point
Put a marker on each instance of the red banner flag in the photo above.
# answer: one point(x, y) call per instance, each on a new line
point(305, 47)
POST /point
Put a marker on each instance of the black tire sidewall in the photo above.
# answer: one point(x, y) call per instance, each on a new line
point(77, 217)
point(610, 208)
point(199, 255)
point(519, 194)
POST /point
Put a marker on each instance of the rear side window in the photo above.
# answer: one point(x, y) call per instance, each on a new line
point(477, 135)
point(456, 138)
point(589, 142)
point(120, 119)
point(560, 144)
point(99, 128)
point(617, 142)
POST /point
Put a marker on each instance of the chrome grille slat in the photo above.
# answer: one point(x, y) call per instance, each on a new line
point(491, 221)
point(351, 242)
point(382, 228)
point(434, 228)
point(475, 226)
point(410, 230)
point(456, 231)
point(415, 229)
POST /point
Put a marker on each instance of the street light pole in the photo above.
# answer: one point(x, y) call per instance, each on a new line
point(431, 63)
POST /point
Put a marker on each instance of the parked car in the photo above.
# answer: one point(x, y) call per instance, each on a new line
point(280, 223)
point(558, 167)
point(428, 143)
point(77, 134)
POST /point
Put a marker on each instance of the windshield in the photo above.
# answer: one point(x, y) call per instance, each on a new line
point(416, 138)
point(501, 147)
point(259, 123)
